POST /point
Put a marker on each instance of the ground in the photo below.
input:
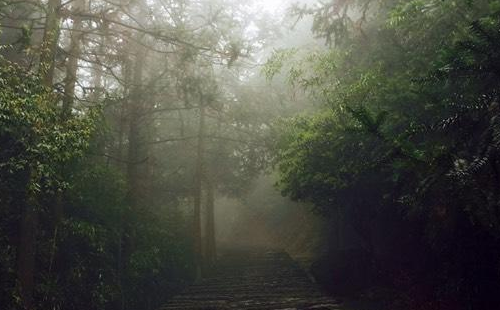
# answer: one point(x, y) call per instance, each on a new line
point(254, 279)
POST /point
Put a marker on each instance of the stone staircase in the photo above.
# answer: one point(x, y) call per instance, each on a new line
point(254, 279)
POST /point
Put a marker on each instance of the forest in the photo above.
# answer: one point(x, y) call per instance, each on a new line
point(344, 154)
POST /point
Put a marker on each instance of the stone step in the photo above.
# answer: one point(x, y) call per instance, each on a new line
point(251, 280)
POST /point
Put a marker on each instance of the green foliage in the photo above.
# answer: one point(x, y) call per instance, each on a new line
point(34, 146)
point(103, 252)
point(274, 64)
point(409, 127)
point(105, 198)
point(97, 237)
point(24, 40)
point(334, 21)
point(31, 134)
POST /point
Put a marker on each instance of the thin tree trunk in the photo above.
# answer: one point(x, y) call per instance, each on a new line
point(197, 195)
point(134, 150)
point(97, 66)
point(69, 93)
point(134, 108)
point(120, 154)
point(210, 181)
point(49, 42)
point(26, 248)
point(119, 263)
point(74, 55)
point(29, 219)
point(210, 246)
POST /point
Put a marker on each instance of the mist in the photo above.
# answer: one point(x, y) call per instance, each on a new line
point(228, 154)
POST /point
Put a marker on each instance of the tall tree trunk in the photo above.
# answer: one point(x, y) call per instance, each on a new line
point(74, 55)
point(29, 219)
point(119, 254)
point(200, 150)
point(49, 42)
point(134, 110)
point(26, 248)
point(210, 246)
point(97, 67)
point(69, 93)
point(120, 154)
point(210, 181)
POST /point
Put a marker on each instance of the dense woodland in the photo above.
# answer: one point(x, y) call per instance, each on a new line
point(123, 123)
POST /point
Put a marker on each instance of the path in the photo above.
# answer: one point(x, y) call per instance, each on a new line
point(254, 279)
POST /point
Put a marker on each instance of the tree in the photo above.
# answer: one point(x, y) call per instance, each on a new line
point(159, 75)
point(36, 145)
point(404, 109)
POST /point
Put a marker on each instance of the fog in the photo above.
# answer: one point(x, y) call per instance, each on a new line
point(264, 218)
point(229, 154)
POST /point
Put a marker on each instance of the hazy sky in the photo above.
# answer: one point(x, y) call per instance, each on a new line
point(272, 6)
